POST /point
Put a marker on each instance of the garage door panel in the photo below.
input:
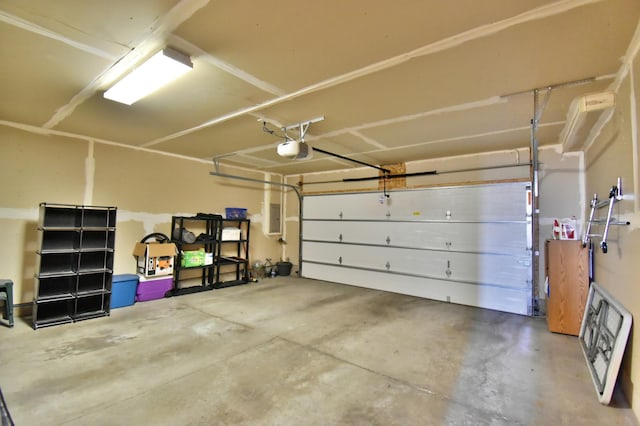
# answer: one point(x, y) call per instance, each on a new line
point(495, 269)
point(345, 206)
point(468, 244)
point(480, 202)
point(496, 298)
point(476, 237)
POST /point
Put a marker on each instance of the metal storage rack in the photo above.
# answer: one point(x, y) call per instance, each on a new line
point(210, 229)
point(237, 259)
point(234, 259)
point(75, 263)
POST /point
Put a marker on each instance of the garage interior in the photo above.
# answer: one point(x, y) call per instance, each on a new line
point(410, 161)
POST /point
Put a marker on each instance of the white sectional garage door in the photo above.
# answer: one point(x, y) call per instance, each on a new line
point(466, 244)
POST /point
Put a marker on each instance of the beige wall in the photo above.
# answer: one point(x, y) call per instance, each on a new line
point(148, 189)
point(34, 169)
point(614, 154)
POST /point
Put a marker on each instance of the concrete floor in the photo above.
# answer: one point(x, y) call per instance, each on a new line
point(289, 351)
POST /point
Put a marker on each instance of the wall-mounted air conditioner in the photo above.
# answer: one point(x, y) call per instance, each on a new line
point(582, 116)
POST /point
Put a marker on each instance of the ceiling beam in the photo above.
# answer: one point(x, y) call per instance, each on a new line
point(44, 32)
point(435, 47)
point(153, 41)
point(195, 51)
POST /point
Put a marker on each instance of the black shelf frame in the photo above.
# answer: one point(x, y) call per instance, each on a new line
point(75, 263)
point(239, 261)
point(210, 225)
point(211, 241)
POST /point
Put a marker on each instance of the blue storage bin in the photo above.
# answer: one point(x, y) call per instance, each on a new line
point(235, 213)
point(123, 290)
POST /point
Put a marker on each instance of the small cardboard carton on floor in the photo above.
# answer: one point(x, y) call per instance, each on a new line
point(155, 259)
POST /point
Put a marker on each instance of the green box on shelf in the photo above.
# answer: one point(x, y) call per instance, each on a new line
point(192, 258)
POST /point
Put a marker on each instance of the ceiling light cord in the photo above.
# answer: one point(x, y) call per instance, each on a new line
point(284, 136)
point(266, 129)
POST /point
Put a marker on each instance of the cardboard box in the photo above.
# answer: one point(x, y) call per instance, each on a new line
point(155, 259)
point(231, 234)
point(193, 258)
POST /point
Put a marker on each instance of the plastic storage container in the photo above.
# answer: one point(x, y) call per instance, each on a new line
point(235, 213)
point(153, 288)
point(123, 290)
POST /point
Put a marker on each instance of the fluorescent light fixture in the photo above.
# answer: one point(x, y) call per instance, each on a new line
point(159, 70)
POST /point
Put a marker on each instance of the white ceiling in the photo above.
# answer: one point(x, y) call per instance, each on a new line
point(396, 81)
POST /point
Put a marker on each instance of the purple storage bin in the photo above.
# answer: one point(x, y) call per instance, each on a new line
point(153, 288)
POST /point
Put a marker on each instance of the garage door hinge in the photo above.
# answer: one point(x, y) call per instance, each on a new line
point(340, 260)
point(388, 266)
point(340, 237)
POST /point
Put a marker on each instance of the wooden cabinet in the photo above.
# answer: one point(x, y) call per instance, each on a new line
point(567, 272)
